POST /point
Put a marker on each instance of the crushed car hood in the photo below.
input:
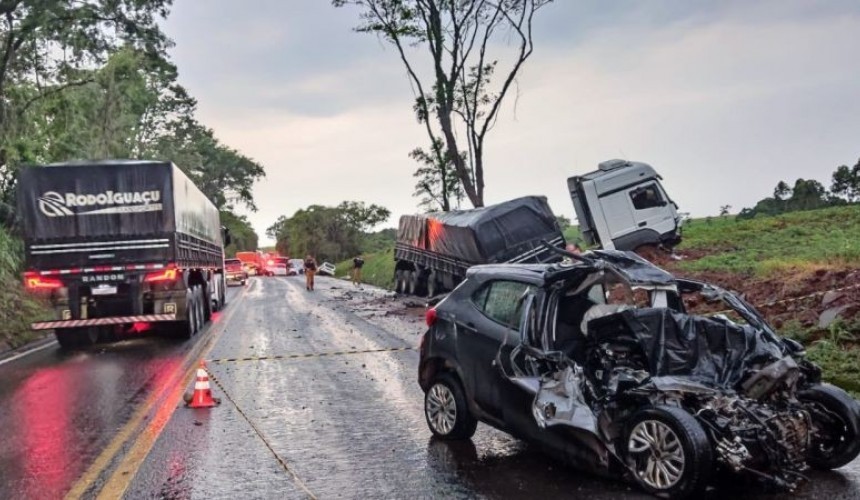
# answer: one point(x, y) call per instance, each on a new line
point(711, 350)
point(637, 271)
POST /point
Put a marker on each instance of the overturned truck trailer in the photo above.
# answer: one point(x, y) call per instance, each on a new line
point(434, 250)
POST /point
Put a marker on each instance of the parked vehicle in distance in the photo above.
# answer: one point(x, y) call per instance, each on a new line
point(599, 363)
point(622, 205)
point(236, 272)
point(297, 265)
point(326, 269)
point(252, 262)
point(433, 251)
point(114, 243)
point(280, 267)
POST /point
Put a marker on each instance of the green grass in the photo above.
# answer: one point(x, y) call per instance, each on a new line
point(378, 268)
point(571, 235)
point(835, 350)
point(838, 364)
point(765, 246)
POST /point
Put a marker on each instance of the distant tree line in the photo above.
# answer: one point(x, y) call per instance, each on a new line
point(328, 233)
point(808, 194)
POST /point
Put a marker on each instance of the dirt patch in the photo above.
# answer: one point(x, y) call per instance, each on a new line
point(799, 295)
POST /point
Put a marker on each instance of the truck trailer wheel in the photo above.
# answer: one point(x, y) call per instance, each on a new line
point(398, 281)
point(205, 303)
point(432, 284)
point(75, 338)
point(412, 282)
point(187, 328)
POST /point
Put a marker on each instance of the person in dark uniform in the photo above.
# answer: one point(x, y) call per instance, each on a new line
point(310, 271)
point(357, 264)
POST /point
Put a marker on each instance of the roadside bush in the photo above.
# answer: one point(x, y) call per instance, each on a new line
point(17, 309)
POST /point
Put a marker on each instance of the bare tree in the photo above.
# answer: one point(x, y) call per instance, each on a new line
point(458, 35)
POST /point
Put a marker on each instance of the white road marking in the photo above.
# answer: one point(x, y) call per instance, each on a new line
point(28, 352)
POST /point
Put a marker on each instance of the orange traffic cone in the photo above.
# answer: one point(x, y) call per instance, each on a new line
point(202, 397)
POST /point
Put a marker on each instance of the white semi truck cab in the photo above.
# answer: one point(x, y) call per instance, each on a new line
point(622, 205)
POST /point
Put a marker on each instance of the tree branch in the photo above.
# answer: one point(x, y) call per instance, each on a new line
point(52, 91)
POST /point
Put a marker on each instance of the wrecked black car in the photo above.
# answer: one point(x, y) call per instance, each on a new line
point(597, 361)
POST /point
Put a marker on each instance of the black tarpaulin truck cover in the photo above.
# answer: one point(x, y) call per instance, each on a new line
point(482, 235)
point(95, 213)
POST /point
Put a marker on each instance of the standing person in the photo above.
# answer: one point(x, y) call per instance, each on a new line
point(356, 270)
point(310, 271)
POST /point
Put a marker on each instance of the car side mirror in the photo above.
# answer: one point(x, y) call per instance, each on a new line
point(225, 232)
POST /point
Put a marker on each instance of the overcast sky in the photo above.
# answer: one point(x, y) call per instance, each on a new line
point(724, 99)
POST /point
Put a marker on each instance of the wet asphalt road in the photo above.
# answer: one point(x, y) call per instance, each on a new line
point(319, 399)
point(59, 410)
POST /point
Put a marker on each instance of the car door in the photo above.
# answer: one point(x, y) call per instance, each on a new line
point(498, 305)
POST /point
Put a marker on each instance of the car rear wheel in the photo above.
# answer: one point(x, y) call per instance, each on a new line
point(668, 452)
point(446, 411)
point(835, 416)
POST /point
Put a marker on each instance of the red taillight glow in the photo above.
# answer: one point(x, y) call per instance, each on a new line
point(166, 275)
point(430, 317)
point(140, 327)
point(34, 282)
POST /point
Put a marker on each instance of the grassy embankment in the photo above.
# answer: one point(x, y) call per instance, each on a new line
point(378, 268)
point(17, 309)
point(799, 241)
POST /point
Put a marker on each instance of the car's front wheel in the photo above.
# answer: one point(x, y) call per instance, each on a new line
point(446, 410)
point(835, 416)
point(668, 452)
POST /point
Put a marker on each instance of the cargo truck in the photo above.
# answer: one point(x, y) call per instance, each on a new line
point(433, 251)
point(120, 245)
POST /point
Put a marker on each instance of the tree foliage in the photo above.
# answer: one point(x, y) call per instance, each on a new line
point(438, 187)
point(846, 182)
point(242, 235)
point(224, 174)
point(363, 216)
point(47, 43)
point(454, 83)
point(328, 233)
point(92, 80)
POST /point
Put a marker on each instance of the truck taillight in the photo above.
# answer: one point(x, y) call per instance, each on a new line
point(36, 282)
point(165, 275)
